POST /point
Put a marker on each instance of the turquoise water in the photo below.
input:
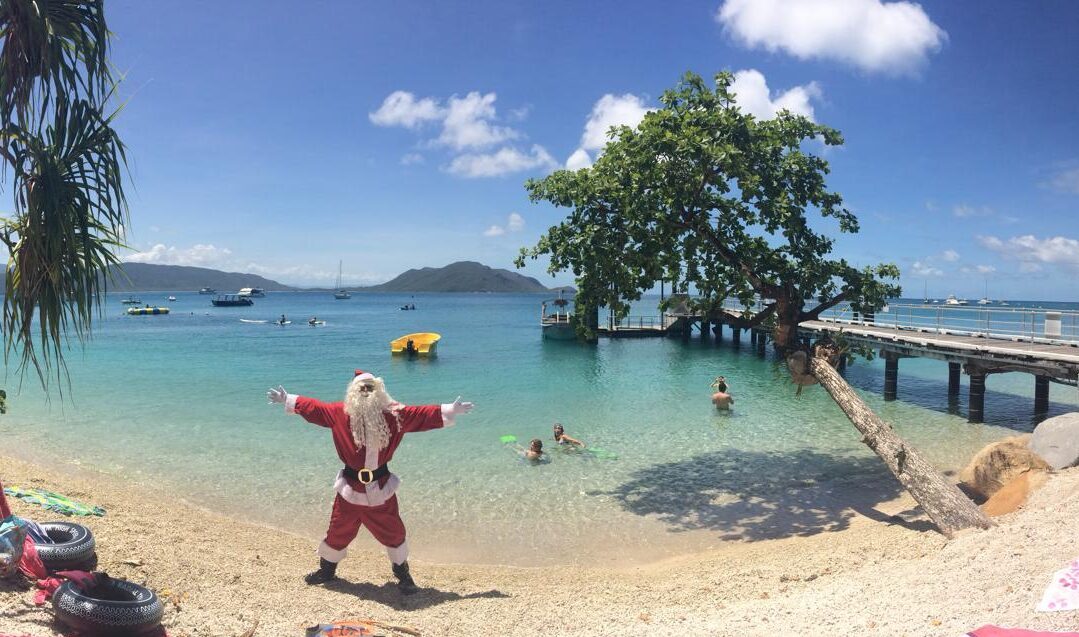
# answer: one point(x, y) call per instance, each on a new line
point(177, 403)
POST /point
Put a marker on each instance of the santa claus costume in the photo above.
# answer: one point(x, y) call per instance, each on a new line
point(367, 427)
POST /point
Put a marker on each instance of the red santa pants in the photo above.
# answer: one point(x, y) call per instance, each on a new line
point(383, 521)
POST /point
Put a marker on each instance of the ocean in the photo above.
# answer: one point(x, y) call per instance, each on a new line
point(177, 404)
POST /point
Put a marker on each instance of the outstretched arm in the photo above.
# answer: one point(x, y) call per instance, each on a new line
point(313, 411)
point(427, 417)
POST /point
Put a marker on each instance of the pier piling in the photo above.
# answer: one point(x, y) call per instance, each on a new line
point(953, 379)
point(976, 402)
point(891, 376)
point(1041, 394)
point(736, 335)
point(762, 339)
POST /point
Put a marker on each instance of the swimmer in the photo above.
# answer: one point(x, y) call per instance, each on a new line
point(535, 450)
point(720, 383)
point(561, 438)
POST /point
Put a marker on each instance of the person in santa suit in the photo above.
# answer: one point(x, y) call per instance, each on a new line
point(367, 427)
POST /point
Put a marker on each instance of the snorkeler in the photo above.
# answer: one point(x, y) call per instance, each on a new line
point(561, 438)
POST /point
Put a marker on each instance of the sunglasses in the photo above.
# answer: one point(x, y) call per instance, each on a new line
point(364, 389)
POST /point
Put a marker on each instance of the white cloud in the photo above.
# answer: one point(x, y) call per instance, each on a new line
point(514, 223)
point(924, 269)
point(505, 160)
point(201, 255)
point(875, 36)
point(1060, 251)
point(411, 158)
point(754, 97)
point(984, 269)
point(963, 211)
point(401, 108)
point(1066, 180)
point(579, 159)
point(468, 123)
point(949, 255)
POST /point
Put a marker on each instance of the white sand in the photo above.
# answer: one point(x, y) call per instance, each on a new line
point(220, 575)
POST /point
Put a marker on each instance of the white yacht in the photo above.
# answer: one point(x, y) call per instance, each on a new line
point(951, 300)
point(257, 292)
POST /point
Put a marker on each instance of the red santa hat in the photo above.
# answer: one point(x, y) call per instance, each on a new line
point(362, 375)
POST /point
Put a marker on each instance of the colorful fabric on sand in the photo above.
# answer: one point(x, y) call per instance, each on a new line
point(12, 540)
point(49, 585)
point(358, 628)
point(54, 501)
point(1063, 591)
point(997, 631)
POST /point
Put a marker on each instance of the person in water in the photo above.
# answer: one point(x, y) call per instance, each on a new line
point(314, 320)
point(282, 319)
point(721, 398)
point(535, 450)
point(561, 438)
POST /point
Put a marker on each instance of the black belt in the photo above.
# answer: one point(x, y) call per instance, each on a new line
point(366, 476)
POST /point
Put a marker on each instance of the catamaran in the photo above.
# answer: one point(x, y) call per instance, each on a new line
point(341, 293)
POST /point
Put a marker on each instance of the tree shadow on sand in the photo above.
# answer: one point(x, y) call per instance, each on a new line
point(387, 594)
point(753, 495)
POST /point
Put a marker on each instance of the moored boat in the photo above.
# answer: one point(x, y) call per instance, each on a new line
point(556, 319)
point(416, 344)
point(207, 291)
point(131, 300)
point(251, 292)
point(231, 300)
point(341, 294)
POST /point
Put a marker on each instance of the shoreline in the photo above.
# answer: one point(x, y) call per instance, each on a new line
point(231, 573)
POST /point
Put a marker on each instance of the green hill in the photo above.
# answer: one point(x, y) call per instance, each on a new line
point(147, 277)
point(463, 276)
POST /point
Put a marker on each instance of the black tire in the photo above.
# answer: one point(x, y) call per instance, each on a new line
point(73, 546)
point(113, 608)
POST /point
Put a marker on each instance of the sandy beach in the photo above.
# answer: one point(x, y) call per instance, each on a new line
point(219, 576)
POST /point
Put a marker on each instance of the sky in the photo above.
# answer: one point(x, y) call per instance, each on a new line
point(282, 138)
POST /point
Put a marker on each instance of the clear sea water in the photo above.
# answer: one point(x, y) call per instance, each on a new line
point(177, 404)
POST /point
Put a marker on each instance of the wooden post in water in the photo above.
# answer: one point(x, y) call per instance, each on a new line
point(705, 327)
point(736, 336)
point(762, 340)
point(953, 379)
point(752, 336)
point(1041, 394)
point(976, 401)
point(891, 375)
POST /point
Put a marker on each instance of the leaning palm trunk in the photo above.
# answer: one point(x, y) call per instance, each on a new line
point(947, 506)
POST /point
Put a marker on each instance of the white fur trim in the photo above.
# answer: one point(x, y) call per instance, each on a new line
point(448, 417)
point(398, 554)
point(371, 497)
point(330, 554)
point(365, 376)
point(290, 403)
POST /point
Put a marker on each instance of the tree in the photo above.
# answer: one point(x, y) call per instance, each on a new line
point(66, 166)
point(712, 199)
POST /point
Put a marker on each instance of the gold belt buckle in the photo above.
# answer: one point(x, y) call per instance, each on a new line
point(365, 476)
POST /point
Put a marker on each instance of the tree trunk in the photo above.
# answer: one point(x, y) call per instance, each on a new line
point(947, 506)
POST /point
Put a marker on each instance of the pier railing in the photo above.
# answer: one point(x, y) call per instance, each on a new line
point(1017, 324)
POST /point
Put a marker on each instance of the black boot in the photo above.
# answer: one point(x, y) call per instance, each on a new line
point(404, 579)
point(327, 571)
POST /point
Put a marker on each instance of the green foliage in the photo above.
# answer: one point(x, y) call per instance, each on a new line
point(67, 166)
point(709, 199)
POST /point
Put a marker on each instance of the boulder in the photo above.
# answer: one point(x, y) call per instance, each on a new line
point(1057, 440)
point(999, 463)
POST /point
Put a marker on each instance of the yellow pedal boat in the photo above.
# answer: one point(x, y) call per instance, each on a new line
point(418, 344)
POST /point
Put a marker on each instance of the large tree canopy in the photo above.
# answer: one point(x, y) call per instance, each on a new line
point(714, 201)
point(65, 167)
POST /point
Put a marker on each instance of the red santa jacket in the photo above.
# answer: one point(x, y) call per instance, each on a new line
point(400, 419)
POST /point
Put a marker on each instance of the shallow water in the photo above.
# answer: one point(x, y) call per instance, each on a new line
point(177, 403)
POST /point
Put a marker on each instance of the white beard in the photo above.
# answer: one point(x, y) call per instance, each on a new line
point(366, 414)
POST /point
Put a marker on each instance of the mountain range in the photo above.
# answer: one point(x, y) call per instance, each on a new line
point(462, 276)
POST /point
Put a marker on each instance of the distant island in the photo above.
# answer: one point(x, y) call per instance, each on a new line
point(463, 276)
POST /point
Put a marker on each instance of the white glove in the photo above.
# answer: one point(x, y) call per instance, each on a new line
point(277, 395)
point(457, 407)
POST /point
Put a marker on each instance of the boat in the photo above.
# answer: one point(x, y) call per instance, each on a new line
point(171, 298)
point(417, 344)
point(925, 294)
point(985, 299)
point(231, 300)
point(951, 300)
point(254, 321)
point(251, 292)
point(131, 301)
point(145, 311)
point(207, 291)
point(408, 307)
point(279, 322)
point(557, 322)
point(341, 293)
point(1005, 304)
point(316, 322)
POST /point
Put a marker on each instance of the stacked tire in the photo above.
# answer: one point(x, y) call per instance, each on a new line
point(72, 546)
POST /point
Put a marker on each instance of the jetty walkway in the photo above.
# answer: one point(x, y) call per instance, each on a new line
point(975, 340)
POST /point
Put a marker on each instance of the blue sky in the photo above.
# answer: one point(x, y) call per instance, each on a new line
point(280, 137)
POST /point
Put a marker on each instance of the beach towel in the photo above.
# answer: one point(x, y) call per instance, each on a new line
point(1063, 591)
point(359, 628)
point(54, 501)
point(12, 540)
point(997, 631)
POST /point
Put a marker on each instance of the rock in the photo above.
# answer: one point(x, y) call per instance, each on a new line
point(999, 463)
point(1012, 495)
point(1057, 440)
